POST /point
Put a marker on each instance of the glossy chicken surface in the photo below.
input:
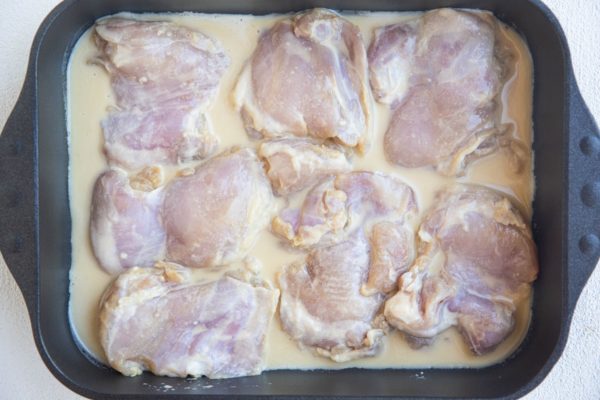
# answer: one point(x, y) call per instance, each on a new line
point(322, 306)
point(126, 228)
point(294, 164)
point(442, 74)
point(213, 216)
point(164, 77)
point(157, 319)
point(340, 204)
point(476, 261)
point(308, 77)
point(356, 226)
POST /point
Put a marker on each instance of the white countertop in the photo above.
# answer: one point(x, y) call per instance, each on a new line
point(24, 375)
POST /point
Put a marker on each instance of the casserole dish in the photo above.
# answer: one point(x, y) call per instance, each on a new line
point(35, 218)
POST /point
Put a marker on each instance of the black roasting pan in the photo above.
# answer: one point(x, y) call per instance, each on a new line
point(35, 222)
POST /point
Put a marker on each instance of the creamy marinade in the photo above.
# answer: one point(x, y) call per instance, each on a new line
point(90, 96)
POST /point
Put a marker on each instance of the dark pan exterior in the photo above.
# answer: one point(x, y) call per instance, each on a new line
point(35, 222)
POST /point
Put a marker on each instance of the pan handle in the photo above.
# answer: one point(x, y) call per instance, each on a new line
point(18, 194)
point(583, 195)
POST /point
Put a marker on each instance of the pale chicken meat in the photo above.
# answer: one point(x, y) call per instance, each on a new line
point(214, 216)
point(322, 306)
point(126, 227)
point(475, 264)
point(357, 227)
point(390, 58)
point(442, 74)
point(392, 252)
point(158, 319)
point(164, 77)
point(164, 135)
point(294, 164)
point(308, 77)
point(340, 204)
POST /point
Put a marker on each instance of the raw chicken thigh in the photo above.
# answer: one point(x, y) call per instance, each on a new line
point(308, 77)
point(214, 216)
point(126, 228)
point(475, 264)
point(156, 319)
point(164, 77)
point(321, 304)
point(357, 227)
point(442, 75)
point(295, 164)
point(340, 204)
